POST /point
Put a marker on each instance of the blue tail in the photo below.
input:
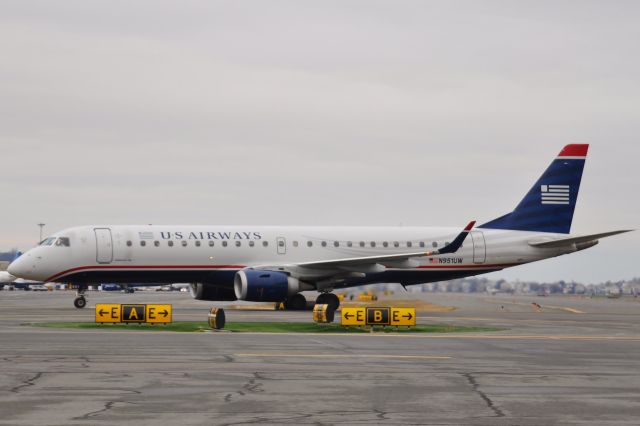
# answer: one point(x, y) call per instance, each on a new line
point(549, 205)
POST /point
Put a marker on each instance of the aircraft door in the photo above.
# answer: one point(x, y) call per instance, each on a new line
point(104, 245)
point(479, 247)
point(282, 245)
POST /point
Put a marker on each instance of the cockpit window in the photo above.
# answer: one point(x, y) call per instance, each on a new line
point(47, 241)
point(63, 242)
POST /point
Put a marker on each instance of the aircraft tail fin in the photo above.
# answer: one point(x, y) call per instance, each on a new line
point(550, 203)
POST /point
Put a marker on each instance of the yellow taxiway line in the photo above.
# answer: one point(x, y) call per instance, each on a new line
point(290, 355)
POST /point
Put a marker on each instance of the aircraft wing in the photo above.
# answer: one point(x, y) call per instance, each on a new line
point(450, 248)
point(547, 243)
point(368, 263)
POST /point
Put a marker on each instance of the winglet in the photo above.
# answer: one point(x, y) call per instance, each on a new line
point(457, 242)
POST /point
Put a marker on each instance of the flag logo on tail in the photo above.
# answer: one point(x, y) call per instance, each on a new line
point(554, 194)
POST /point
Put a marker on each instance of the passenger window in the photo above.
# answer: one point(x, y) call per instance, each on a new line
point(309, 243)
point(197, 243)
point(409, 244)
point(238, 243)
point(143, 243)
point(295, 244)
point(156, 243)
point(252, 243)
point(265, 243)
point(385, 244)
point(396, 244)
point(361, 243)
point(447, 243)
point(170, 243)
point(210, 243)
point(224, 244)
point(129, 243)
point(373, 243)
point(336, 244)
point(434, 244)
point(184, 244)
point(324, 244)
point(349, 244)
point(422, 244)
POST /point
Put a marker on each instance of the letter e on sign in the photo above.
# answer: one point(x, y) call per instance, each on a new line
point(403, 316)
point(107, 312)
point(352, 316)
point(159, 314)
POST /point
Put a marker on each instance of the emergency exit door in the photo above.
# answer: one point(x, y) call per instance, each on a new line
point(104, 245)
point(479, 247)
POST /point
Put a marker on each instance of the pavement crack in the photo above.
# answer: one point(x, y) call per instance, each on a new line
point(382, 415)
point(25, 383)
point(476, 388)
point(252, 386)
point(107, 406)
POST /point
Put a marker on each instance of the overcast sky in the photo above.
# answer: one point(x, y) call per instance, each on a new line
point(318, 113)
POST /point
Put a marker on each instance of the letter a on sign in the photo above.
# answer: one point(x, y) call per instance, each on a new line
point(133, 313)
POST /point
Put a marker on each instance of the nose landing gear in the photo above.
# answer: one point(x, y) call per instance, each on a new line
point(80, 301)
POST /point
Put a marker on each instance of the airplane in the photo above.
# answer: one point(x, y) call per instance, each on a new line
point(276, 264)
point(6, 278)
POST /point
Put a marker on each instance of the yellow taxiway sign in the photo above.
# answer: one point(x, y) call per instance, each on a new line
point(383, 315)
point(138, 313)
point(107, 312)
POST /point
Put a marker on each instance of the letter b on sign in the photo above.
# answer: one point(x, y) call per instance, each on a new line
point(378, 316)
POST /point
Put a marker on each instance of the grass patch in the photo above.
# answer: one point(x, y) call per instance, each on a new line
point(267, 327)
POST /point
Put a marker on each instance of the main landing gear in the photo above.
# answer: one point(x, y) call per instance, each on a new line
point(297, 302)
point(328, 299)
point(80, 301)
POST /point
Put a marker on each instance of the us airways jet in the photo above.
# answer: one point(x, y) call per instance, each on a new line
point(274, 264)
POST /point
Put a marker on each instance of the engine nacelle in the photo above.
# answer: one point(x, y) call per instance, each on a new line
point(202, 291)
point(266, 286)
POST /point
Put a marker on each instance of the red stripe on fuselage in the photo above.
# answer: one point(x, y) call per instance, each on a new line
point(474, 266)
point(84, 268)
point(190, 267)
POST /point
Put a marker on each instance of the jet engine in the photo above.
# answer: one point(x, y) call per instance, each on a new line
point(202, 291)
point(266, 286)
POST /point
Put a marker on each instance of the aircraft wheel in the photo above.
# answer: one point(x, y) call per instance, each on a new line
point(80, 302)
point(328, 299)
point(297, 302)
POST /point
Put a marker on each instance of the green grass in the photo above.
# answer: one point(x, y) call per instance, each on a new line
point(266, 327)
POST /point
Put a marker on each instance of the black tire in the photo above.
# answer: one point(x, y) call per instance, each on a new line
point(321, 299)
point(80, 302)
point(333, 301)
point(328, 299)
point(297, 302)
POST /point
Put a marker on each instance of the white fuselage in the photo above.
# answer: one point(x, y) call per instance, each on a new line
point(212, 254)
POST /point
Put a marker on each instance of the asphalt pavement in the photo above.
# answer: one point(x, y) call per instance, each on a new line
point(573, 361)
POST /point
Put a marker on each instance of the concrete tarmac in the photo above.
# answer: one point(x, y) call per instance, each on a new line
point(574, 362)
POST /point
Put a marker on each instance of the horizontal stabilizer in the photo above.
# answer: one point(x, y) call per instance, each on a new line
point(547, 243)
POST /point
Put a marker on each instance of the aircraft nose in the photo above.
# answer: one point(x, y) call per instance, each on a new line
point(18, 268)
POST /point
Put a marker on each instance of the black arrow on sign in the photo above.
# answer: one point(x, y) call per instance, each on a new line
point(348, 315)
point(101, 312)
point(408, 316)
point(164, 313)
